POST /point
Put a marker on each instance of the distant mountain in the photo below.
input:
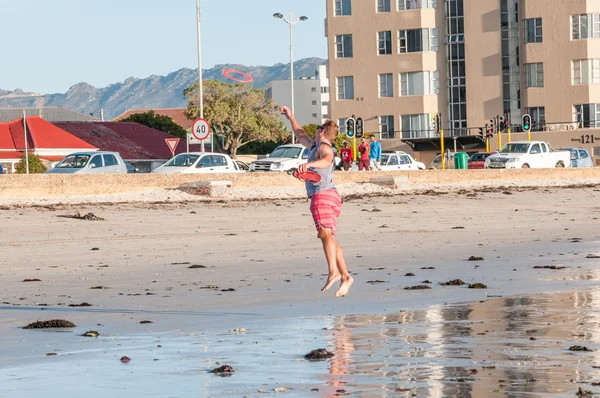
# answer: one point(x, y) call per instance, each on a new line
point(151, 92)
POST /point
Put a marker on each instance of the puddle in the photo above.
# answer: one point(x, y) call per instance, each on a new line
point(509, 346)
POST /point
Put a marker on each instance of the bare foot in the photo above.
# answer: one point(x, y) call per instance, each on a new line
point(330, 281)
point(344, 287)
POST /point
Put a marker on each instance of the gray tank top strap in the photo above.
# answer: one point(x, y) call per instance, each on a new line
point(325, 173)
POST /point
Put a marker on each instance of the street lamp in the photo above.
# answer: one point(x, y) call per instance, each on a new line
point(200, 88)
point(289, 19)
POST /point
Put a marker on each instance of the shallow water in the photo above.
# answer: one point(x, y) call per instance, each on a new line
point(475, 349)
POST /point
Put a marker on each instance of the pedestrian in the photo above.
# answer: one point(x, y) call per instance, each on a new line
point(363, 161)
point(325, 201)
point(347, 156)
point(375, 154)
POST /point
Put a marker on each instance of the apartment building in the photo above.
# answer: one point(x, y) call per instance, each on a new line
point(311, 97)
point(396, 62)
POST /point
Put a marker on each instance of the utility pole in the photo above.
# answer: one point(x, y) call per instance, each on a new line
point(200, 88)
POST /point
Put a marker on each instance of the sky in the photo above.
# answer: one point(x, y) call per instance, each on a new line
point(50, 45)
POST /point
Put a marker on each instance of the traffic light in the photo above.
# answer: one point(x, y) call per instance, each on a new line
point(481, 135)
point(526, 122)
point(360, 127)
point(506, 122)
point(350, 127)
point(489, 131)
point(435, 123)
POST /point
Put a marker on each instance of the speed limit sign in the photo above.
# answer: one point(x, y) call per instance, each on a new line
point(200, 129)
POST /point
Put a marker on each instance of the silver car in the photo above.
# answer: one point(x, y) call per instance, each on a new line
point(579, 157)
point(90, 163)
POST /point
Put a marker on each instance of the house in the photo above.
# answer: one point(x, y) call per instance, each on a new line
point(44, 139)
point(142, 146)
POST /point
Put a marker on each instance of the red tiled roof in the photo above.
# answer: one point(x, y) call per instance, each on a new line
point(11, 155)
point(17, 133)
point(6, 141)
point(106, 139)
point(47, 135)
point(177, 114)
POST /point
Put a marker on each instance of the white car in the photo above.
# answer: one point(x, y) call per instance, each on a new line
point(399, 161)
point(528, 154)
point(199, 162)
point(99, 162)
point(283, 158)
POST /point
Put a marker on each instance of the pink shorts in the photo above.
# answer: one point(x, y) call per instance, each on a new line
point(325, 208)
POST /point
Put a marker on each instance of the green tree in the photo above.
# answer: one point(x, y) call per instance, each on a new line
point(35, 165)
point(166, 124)
point(239, 112)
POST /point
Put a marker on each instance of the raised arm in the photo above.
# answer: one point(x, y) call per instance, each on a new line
point(298, 130)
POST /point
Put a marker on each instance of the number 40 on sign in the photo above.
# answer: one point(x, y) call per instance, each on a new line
point(201, 129)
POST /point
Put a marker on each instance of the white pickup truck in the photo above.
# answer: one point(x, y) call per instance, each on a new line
point(528, 154)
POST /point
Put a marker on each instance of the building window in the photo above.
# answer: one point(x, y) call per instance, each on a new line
point(534, 74)
point(416, 126)
point(313, 89)
point(586, 71)
point(345, 88)
point(587, 115)
point(386, 126)
point(325, 116)
point(384, 42)
point(324, 90)
point(386, 85)
point(416, 40)
point(533, 30)
point(457, 80)
point(342, 125)
point(325, 103)
point(538, 118)
point(416, 4)
point(420, 83)
point(511, 62)
point(383, 6)
point(343, 7)
point(343, 46)
point(585, 26)
point(314, 115)
point(314, 102)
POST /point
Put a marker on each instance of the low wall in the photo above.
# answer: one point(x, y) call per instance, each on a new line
point(42, 185)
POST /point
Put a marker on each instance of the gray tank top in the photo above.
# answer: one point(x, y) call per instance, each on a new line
point(326, 173)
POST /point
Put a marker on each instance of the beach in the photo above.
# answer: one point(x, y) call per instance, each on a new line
point(238, 282)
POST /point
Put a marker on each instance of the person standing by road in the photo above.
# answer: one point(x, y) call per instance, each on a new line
point(363, 160)
point(325, 201)
point(347, 156)
point(375, 154)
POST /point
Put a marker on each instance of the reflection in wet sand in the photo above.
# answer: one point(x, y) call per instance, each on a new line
point(512, 347)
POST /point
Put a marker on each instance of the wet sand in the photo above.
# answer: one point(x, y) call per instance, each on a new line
point(268, 253)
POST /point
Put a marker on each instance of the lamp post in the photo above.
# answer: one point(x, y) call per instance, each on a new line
point(200, 89)
point(289, 19)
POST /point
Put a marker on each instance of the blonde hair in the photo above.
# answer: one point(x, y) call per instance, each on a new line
point(331, 130)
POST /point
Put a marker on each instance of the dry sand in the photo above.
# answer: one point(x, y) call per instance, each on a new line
point(268, 253)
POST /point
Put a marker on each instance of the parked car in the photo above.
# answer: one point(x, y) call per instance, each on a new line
point(242, 165)
point(286, 157)
point(1, 169)
point(131, 168)
point(477, 160)
point(99, 162)
point(199, 162)
point(436, 163)
point(397, 160)
point(528, 154)
point(579, 157)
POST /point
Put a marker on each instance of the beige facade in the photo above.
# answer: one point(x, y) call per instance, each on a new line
point(513, 57)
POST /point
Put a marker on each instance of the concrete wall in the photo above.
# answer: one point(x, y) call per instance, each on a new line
point(47, 185)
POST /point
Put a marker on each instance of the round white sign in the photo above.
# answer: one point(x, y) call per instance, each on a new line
point(201, 129)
